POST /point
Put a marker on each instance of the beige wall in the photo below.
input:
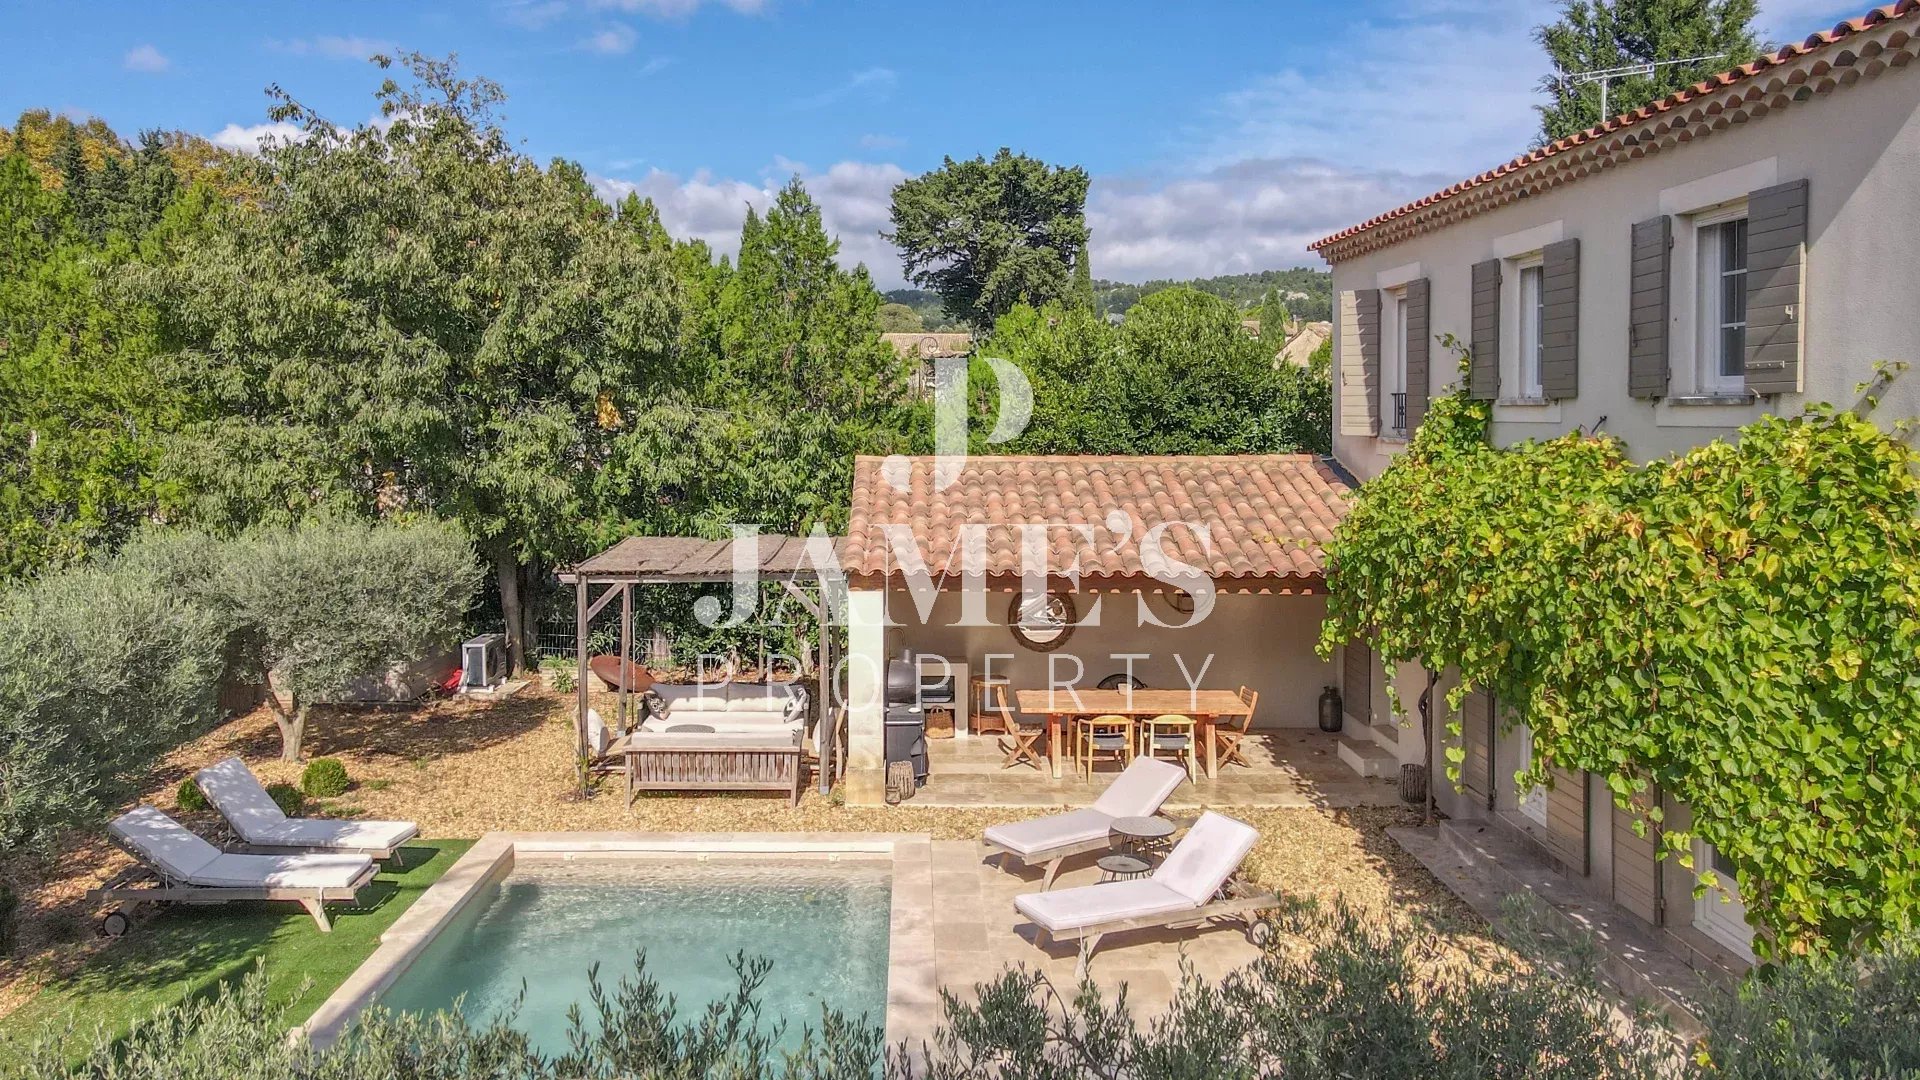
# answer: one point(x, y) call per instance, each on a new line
point(1859, 149)
point(1264, 642)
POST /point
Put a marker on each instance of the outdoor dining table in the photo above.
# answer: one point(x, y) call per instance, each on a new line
point(1205, 706)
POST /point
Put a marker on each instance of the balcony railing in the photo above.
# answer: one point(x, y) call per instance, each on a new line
point(1399, 414)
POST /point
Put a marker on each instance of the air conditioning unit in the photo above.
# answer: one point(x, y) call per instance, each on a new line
point(483, 662)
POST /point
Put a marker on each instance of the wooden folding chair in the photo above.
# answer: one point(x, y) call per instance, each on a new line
point(1021, 742)
point(1230, 732)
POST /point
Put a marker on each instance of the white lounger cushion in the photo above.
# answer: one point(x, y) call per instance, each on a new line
point(1196, 869)
point(1051, 832)
point(1071, 909)
point(1137, 792)
point(1207, 856)
point(183, 856)
point(234, 791)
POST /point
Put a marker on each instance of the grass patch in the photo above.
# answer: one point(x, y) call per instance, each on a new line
point(190, 949)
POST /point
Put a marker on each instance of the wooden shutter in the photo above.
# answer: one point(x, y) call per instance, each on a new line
point(1360, 362)
point(1651, 288)
point(1636, 863)
point(1356, 681)
point(1476, 738)
point(1560, 321)
point(1419, 339)
point(1776, 287)
point(1566, 834)
point(1483, 374)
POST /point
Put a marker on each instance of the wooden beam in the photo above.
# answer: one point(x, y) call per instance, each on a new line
point(605, 599)
point(626, 647)
point(580, 618)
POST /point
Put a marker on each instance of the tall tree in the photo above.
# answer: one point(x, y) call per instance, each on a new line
point(987, 235)
point(1593, 35)
point(412, 316)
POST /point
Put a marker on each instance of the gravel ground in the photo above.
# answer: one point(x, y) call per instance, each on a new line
point(463, 767)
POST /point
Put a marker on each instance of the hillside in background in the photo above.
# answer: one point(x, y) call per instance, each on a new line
point(1308, 294)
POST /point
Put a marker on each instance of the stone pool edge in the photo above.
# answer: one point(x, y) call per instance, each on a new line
point(913, 997)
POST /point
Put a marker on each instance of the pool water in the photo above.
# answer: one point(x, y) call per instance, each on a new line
point(824, 925)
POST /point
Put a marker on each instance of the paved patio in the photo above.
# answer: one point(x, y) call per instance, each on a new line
point(977, 933)
point(1289, 768)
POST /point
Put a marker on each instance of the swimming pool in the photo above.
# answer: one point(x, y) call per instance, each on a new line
point(845, 919)
point(822, 925)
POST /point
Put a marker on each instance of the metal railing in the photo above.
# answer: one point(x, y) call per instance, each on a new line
point(1399, 414)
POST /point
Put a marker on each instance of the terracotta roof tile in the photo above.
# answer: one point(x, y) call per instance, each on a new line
point(1713, 84)
point(1268, 515)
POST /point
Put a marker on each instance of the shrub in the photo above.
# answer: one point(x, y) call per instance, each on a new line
point(324, 778)
point(287, 798)
point(560, 674)
point(102, 668)
point(189, 797)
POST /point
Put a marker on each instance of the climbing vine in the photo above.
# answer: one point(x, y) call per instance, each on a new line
point(1739, 625)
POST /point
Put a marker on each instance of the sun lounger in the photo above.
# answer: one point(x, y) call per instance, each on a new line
point(261, 827)
point(1196, 883)
point(179, 867)
point(1137, 792)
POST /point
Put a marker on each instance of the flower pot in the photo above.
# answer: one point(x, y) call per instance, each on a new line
point(1330, 710)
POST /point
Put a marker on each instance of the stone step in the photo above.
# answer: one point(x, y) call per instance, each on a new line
point(1367, 758)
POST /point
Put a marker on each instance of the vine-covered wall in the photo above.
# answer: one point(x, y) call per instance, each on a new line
point(1738, 624)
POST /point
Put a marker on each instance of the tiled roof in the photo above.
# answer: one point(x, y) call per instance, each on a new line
point(1268, 514)
point(1687, 110)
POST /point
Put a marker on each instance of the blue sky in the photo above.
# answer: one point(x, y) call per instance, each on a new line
point(1221, 137)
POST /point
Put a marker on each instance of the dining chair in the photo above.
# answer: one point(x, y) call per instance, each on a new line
point(1230, 732)
point(1109, 736)
point(1022, 741)
point(1170, 734)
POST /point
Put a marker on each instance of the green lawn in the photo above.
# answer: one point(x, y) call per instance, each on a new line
point(189, 950)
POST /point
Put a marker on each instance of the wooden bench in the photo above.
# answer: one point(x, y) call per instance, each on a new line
point(723, 761)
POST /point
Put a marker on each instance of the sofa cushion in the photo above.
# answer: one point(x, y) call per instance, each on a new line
point(780, 737)
point(741, 721)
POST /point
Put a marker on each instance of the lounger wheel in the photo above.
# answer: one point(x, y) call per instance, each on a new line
point(115, 924)
point(1259, 933)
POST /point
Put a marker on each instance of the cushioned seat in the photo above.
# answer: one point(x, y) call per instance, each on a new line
point(1072, 909)
point(258, 821)
point(1048, 833)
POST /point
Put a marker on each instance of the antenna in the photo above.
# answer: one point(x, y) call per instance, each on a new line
point(1604, 75)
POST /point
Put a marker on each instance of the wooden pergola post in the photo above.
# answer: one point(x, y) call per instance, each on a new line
point(580, 679)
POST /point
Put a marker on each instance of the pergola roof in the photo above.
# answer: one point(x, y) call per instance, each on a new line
point(686, 559)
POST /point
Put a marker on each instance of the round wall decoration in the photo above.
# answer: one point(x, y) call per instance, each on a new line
point(1043, 624)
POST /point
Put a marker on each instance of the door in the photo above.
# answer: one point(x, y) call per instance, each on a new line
point(1532, 802)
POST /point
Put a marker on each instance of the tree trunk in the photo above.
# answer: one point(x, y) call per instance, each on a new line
point(506, 572)
point(292, 722)
point(1426, 733)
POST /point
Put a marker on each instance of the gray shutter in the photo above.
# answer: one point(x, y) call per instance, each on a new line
point(1560, 320)
point(1566, 835)
point(1636, 859)
point(1360, 362)
point(1476, 738)
point(1483, 376)
point(1652, 288)
point(1419, 319)
point(1776, 287)
point(1356, 681)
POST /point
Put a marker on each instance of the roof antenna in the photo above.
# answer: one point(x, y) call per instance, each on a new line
point(1605, 75)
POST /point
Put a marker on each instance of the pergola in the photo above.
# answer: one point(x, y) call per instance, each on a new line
point(686, 560)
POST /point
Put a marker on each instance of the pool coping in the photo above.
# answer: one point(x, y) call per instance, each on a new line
point(913, 995)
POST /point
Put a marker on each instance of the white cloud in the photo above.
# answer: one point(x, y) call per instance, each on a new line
point(874, 84)
point(335, 47)
point(531, 14)
point(146, 58)
point(613, 40)
point(656, 65)
point(250, 139)
point(678, 9)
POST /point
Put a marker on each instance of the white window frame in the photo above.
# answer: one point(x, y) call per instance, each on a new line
point(1530, 339)
point(1708, 318)
point(1719, 912)
point(1523, 397)
point(1532, 803)
point(1393, 357)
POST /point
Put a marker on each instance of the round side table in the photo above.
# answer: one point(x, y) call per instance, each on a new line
point(1142, 835)
point(1122, 867)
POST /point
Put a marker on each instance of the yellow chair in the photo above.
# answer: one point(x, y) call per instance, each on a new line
point(1109, 736)
point(1173, 735)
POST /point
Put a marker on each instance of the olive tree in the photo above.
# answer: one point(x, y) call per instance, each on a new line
point(320, 605)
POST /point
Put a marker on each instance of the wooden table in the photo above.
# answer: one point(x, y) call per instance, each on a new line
point(1205, 706)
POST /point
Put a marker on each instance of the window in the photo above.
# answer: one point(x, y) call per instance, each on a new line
point(1720, 913)
point(1393, 361)
point(1533, 802)
point(1533, 314)
point(1720, 290)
